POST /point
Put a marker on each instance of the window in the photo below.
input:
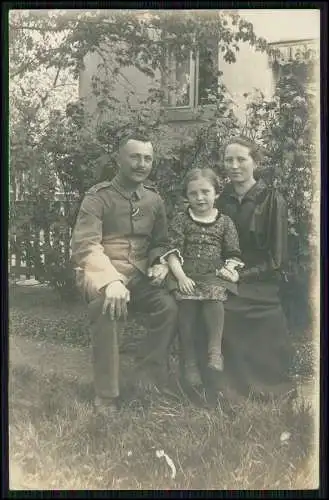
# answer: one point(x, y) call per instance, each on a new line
point(191, 81)
point(18, 186)
point(293, 58)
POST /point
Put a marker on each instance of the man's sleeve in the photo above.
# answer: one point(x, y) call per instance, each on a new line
point(88, 255)
point(159, 243)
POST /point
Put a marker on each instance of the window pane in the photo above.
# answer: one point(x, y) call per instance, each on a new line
point(183, 80)
point(179, 81)
point(208, 74)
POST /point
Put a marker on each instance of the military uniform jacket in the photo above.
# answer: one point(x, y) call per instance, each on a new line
point(117, 235)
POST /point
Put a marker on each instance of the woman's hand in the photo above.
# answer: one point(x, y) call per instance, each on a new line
point(186, 285)
point(157, 273)
point(228, 274)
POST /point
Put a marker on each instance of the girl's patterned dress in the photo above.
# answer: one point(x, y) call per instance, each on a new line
point(202, 248)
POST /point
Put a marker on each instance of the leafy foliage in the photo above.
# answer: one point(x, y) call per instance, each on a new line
point(285, 126)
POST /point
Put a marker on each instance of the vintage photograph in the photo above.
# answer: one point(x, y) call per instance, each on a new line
point(164, 249)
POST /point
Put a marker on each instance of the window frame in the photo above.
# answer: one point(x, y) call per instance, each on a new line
point(170, 77)
point(192, 110)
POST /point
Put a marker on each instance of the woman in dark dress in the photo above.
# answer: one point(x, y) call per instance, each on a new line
point(256, 343)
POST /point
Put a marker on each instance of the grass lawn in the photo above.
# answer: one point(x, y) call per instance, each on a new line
point(56, 442)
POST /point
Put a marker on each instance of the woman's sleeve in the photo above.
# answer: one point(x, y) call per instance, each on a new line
point(176, 238)
point(278, 251)
point(275, 228)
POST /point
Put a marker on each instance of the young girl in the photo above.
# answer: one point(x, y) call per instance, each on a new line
point(204, 252)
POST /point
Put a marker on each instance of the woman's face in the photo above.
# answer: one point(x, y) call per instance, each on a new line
point(238, 163)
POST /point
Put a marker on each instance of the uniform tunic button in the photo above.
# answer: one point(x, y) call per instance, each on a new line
point(198, 255)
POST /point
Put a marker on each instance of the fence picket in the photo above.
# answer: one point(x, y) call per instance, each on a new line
point(26, 252)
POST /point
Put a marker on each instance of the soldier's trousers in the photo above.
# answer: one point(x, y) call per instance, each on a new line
point(162, 312)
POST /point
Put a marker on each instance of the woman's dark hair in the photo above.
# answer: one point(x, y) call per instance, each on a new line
point(256, 152)
point(204, 173)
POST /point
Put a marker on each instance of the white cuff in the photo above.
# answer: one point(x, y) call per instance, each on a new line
point(175, 251)
point(96, 280)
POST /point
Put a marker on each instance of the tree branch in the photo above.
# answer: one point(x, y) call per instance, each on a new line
point(45, 97)
point(56, 77)
point(20, 70)
point(36, 28)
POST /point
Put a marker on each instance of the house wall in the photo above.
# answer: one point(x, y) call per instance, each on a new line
point(284, 24)
point(130, 82)
point(252, 69)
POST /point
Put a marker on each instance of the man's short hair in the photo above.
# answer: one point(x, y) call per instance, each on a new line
point(136, 136)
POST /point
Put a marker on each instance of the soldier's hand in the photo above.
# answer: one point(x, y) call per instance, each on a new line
point(157, 273)
point(116, 299)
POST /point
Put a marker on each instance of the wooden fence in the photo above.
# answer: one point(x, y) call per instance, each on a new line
point(31, 247)
point(24, 251)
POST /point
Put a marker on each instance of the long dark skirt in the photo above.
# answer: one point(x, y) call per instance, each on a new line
point(256, 345)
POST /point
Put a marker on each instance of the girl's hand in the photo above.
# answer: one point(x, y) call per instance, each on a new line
point(186, 285)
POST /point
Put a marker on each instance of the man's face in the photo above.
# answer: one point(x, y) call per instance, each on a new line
point(135, 160)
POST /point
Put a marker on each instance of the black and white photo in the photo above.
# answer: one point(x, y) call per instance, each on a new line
point(164, 249)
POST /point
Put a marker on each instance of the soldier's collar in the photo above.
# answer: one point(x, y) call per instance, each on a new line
point(139, 191)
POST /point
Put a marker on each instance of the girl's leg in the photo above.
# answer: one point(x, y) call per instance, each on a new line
point(213, 315)
point(187, 318)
